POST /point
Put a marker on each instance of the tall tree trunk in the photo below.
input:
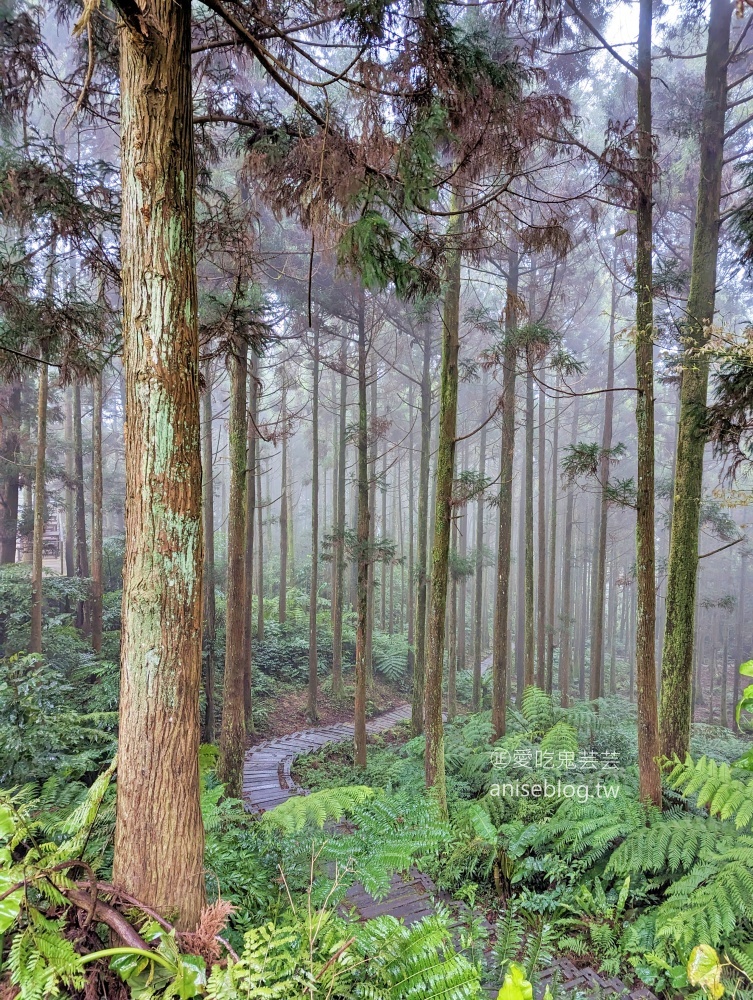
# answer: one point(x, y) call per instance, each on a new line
point(159, 836)
point(383, 534)
point(82, 556)
point(448, 413)
point(597, 614)
point(566, 620)
point(248, 554)
point(422, 555)
point(740, 656)
point(35, 642)
point(260, 547)
point(541, 526)
point(411, 533)
point(362, 543)
point(372, 524)
point(723, 719)
point(500, 644)
point(552, 547)
point(10, 408)
point(462, 547)
point(612, 628)
point(479, 580)
point(314, 589)
point(648, 742)
point(233, 729)
point(520, 588)
point(97, 514)
point(70, 490)
point(677, 667)
point(452, 635)
point(339, 546)
point(210, 613)
point(284, 512)
point(528, 634)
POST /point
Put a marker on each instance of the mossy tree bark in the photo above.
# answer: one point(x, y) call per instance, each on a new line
point(210, 611)
point(448, 414)
point(677, 666)
point(159, 836)
point(422, 543)
point(97, 514)
point(645, 555)
point(501, 646)
point(37, 546)
point(233, 730)
point(362, 543)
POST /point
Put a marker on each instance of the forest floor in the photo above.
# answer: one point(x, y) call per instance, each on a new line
point(287, 710)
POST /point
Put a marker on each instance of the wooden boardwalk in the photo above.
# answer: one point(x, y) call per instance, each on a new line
point(267, 782)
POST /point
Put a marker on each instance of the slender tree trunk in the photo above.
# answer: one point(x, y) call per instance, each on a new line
point(677, 667)
point(445, 472)
point(210, 613)
point(520, 588)
point(233, 729)
point(528, 634)
point(551, 583)
point(159, 836)
point(248, 554)
point(422, 558)
point(541, 526)
point(500, 650)
point(70, 491)
point(383, 533)
point(648, 743)
point(339, 546)
point(597, 615)
point(740, 656)
point(314, 589)
point(452, 633)
point(10, 409)
point(479, 580)
point(284, 510)
point(411, 531)
point(82, 556)
point(566, 619)
point(612, 629)
point(462, 547)
point(97, 515)
point(372, 524)
point(260, 547)
point(723, 717)
point(362, 543)
point(35, 641)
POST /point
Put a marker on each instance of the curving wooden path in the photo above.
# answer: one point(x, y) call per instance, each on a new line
point(267, 782)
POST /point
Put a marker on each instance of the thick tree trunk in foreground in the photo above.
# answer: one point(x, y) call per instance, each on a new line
point(422, 554)
point(314, 589)
point(648, 742)
point(448, 413)
point(10, 409)
point(97, 515)
point(159, 837)
point(233, 730)
point(597, 614)
point(479, 581)
point(677, 666)
point(500, 643)
point(37, 548)
point(210, 612)
point(362, 544)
